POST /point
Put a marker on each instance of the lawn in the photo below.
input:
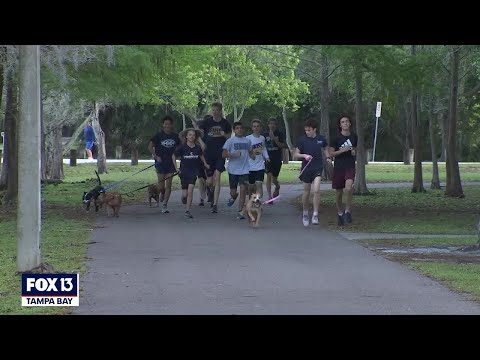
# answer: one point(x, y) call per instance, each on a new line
point(65, 236)
point(398, 210)
point(459, 277)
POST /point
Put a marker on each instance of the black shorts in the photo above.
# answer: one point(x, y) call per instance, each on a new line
point(309, 176)
point(256, 176)
point(235, 180)
point(186, 180)
point(165, 167)
point(273, 167)
point(202, 173)
point(216, 163)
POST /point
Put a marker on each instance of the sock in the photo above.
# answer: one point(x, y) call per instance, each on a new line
point(315, 213)
point(347, 211)
point(340, 214)
point(305, 212)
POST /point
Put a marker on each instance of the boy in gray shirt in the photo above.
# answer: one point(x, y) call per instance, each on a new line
point(238, 149)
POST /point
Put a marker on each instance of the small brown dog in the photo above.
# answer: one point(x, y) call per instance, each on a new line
point(111, 200)
point(254, 209)
point(153, 192)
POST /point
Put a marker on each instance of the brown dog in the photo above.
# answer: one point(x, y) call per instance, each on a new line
point(254, 209)
point(111, 200)
point(153, 192)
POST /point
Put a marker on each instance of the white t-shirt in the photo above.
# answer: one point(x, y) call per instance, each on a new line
point(259, 162)
point(238, 165)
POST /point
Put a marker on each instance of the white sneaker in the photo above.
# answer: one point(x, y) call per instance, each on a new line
point(91, 160)
point(315, 220)
point(305, 220)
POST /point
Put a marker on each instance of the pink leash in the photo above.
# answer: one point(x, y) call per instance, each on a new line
point(275, 198)
point(308, 163)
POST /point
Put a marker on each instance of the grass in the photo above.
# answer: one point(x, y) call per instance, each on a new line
point(421, 241)
point(64, 245)
point(414, 242)
point(401, 211)
point(404, 173)
point(459, 277)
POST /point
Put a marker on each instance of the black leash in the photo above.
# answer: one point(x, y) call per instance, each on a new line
point(130, 193)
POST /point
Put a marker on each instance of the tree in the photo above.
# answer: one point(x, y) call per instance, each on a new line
point(453, 186)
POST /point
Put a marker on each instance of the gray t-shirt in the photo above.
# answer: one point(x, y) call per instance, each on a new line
point(238, 165)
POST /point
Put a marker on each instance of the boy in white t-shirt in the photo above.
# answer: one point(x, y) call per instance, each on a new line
point(257, 165)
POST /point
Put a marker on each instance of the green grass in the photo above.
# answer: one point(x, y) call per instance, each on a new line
point(401, 211)
point(64, 245)
point(404, 173)
point(413, 242)
point(459, 277)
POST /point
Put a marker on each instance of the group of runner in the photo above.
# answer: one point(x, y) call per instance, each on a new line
point(203, 150)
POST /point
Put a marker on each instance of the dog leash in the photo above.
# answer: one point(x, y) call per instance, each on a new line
point(115, 184)
point(130, 193)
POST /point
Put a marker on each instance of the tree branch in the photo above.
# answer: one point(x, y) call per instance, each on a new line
point(290, 55)
point(336, 67)
point(295, 69)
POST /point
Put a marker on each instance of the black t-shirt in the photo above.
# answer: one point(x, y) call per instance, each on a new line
point(345, 160)
point(313, 147)
point(274, 152)
point(165, 144)
point(213, 140)
point(190, 161)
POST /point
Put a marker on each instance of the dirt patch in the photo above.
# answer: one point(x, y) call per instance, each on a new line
point(450, 254)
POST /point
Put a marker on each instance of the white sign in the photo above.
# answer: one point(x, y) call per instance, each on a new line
point(379, 109)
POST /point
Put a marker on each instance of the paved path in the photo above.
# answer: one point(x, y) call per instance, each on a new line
point(146, 262)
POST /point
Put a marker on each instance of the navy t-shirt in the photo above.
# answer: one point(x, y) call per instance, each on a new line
point(165, 144)
point(274, 152)
point(190, 161)
point(345, 160)
point(312, 146)
point(213, 139)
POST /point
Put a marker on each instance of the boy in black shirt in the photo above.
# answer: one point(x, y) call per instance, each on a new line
point(309, 149)
point(343, 149)
point(162, 146)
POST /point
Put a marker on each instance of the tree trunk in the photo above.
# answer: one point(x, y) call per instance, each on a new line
point(287, 129)
point(417, 141)
point(406, 147)
point(100, 135)
point(435, 175)
point(443, 121)
point(11, 145)
point(76, 134)
point(325, 114)
point(57, 165)
point(134, 155)
point(360, 185)
point(184, 123)
point(453, 185)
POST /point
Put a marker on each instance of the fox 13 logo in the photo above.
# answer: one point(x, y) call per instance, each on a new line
point(50, 290)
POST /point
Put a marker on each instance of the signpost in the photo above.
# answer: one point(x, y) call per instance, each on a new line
point(378, 112)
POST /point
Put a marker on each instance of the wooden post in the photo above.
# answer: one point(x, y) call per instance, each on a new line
point(73, 157)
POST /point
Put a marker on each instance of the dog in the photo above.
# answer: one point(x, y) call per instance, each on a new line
point(153, 192)
point(111, 200)
point(254, 209)
point(92, 195)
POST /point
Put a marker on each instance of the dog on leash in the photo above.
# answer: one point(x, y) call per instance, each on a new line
point(92, 195)
point(111, 200)
point(153, 192)
point(254, 209)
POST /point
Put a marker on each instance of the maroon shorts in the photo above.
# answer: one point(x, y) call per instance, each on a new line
point(342, 175)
